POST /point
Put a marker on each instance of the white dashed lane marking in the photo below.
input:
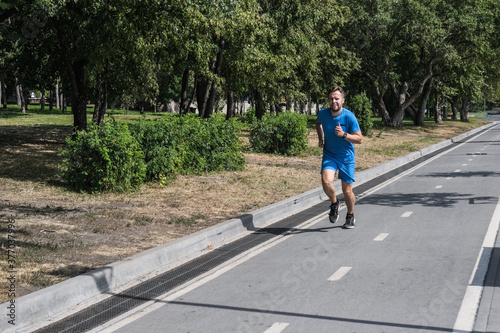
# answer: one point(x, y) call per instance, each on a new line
point(340, 273)
point(439, 186)
point(407, 214)
point(276, 328)
point(381, 237)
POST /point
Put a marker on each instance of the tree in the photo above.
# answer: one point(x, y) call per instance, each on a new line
point(411, 37)
point(464, 71)
point(90, 43)
point(421, 41)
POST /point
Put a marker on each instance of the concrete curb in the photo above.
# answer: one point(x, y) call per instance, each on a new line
point(42, 307)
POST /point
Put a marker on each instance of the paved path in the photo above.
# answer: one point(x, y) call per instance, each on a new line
point(415, 262)
point(424, 257)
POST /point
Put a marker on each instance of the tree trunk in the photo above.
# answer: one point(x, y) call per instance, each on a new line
point(278, 108)
point(453, 110)
point(273, 108)
point(309, 105)
point(76, 71)
point(209, 109)
point(413, 113)
point(63, 103)
point(302, 107)
point(42, 100)
point(3, 98)
point(464, 110)
point(397, 118)
point(51, 100)
point(191, 99)
point(260, 108)
point(184, 103)
point(101, 106)
point(202, 91)
point(437, 115)
point(382, 108)
point(24, 95)
point(18, 94)
point(230, 105)
point(242, 106)
point(424, 102)
point(57, 96)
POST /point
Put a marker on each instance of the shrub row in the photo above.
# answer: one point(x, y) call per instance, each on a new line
point(285, 134)
point(189, 145)
point(116, 157)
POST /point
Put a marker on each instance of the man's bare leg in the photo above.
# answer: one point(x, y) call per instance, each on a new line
point(327, 178)
point(349, 197)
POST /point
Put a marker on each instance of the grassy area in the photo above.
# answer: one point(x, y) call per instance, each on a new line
point(60, 234)
point(12, 116)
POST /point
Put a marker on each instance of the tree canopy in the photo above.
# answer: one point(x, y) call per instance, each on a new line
point(401, 53)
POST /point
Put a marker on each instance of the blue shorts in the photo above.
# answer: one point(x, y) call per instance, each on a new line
point(346, 170)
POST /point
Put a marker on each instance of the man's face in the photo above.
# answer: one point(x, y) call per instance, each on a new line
point(336, 101)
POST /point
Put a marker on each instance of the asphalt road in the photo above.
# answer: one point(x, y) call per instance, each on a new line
point(415, 262)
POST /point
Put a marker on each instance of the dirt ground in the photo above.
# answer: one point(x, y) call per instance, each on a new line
point(57, 234)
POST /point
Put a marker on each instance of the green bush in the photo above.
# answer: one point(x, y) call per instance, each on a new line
point(159, 142)
point(361, 106)
point(249, 116)
point(285, 134)
point(106, 158)
point(215, 145)
point(189, 145)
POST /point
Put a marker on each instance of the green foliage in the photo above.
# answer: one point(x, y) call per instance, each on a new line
point(189, 145)
point(284, 134)
point(159, 143)
point(249, 116)
point(361, 105)
point(106, 158)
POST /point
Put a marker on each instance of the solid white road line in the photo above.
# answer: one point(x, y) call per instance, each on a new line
point(470, 303)
point(381, 237)
point(340, 273)
point(276, 328)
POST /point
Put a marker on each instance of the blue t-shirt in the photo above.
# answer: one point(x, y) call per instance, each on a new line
point(336, 147)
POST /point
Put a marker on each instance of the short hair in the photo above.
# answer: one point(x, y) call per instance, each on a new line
point(336, 88)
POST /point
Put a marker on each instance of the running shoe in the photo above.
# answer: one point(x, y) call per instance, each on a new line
point(349, 221)
point(334, 212)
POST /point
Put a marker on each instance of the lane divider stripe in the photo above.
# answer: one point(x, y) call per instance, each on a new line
point(340, 273)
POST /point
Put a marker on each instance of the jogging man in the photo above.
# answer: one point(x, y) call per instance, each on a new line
point(337, 130)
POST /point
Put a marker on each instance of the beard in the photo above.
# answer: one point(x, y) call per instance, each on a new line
point(335, 109)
